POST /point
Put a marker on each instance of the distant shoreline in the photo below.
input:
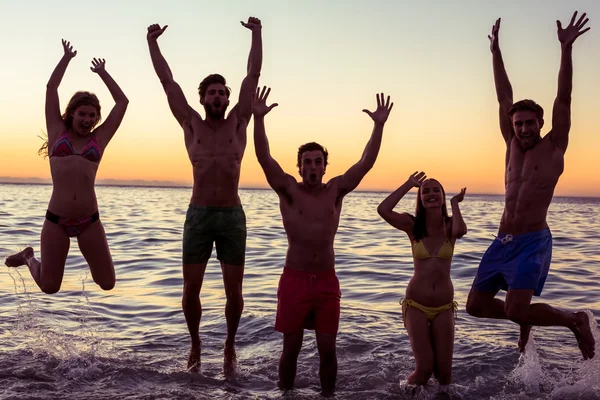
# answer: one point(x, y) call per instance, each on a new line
point(184, 186)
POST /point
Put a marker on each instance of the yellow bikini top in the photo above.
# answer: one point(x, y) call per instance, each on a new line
point(420, 252)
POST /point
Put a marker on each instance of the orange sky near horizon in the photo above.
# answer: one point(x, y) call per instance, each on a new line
point(323, 71)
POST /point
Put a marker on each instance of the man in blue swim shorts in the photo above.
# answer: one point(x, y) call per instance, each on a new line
point(518, 260)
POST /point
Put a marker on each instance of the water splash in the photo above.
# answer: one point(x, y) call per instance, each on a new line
point(583, 380)
point(528, 371)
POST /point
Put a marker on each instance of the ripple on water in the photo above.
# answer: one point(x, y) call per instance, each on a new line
point(132, 342)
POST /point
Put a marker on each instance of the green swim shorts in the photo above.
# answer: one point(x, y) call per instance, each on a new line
point(225, 226)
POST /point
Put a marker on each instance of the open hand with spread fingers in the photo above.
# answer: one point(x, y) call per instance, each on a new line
point(259, 105)
point(381, 114)
point(417, 178)
point(98, 65)
point(567, 35)
point(253, 24)
point(494, 45)
point(457, 198)
point(69, 52)
point(154, 31)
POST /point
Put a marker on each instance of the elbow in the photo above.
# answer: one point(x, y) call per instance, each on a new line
point(381, 210)
point(165, 81)
point(263, 157)
point(462, 231)
point(564, 98)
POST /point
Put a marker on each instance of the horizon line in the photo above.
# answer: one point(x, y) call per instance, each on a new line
point(181, 185)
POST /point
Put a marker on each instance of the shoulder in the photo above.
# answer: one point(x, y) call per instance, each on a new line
point(548, 143)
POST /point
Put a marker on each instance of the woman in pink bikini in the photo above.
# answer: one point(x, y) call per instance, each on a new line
point(429, 307)
point(75, 149)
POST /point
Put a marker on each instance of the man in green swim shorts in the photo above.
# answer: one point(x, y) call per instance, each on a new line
point(215, 147)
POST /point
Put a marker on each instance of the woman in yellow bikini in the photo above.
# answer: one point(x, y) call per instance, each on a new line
point(429, 307)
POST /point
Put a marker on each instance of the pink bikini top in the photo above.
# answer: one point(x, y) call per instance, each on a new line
point(63, 148)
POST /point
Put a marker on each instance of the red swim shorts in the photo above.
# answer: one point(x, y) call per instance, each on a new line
point(308, 300)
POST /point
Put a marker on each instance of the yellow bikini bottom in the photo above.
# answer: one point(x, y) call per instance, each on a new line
point(430, 312)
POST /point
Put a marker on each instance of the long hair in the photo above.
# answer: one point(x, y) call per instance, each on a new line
point(420, 226)
point(79, 99)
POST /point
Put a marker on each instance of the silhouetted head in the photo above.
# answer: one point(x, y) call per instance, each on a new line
point(312, 162)
point(431, 195)
point(82, 113)
point(527, 118)
point(214, 95)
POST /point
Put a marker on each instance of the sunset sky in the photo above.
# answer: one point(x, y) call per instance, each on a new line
point(325, 60)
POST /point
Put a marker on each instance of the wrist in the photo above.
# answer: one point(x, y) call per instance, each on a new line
point(566, 47)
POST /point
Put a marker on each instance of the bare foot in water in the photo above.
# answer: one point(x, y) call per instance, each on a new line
point(230, 361)
point(584, 336)
point(16, 260)
point(194, 359)
point(524, 337)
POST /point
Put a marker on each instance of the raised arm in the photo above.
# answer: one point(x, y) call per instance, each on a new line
point(504, 91)
point(54, 121)
point(402, 221)
point(561, 113)
point(250, 82)
point(277, 179)
point(350, 180)
point(106, 131)
point(177, 101)
point(459, 228)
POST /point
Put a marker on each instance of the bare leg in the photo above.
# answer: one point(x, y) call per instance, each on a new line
point(292, 343)
point(520, 311)
point(94, 248)
point(193, 276)
point(328, 362)
point(421, 343)
point(442, 332)
point(55, 247)
point(485, 305)
point(233, 276)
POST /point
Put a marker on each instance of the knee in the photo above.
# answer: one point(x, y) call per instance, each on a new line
point(191, 290)
point(290, 354)
point(473, 307)
point(108, 285)
point(50, 287)
point(234, 293)
point(327, 356)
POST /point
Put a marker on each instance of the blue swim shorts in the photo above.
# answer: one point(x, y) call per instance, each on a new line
point(515, 262)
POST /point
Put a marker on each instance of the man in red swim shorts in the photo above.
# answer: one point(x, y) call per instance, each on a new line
point(309, 291)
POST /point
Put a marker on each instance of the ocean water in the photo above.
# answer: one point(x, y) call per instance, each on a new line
point(132, 342)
